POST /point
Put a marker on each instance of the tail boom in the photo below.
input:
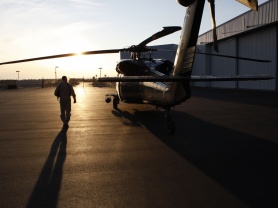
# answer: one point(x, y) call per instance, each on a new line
point(189, 35)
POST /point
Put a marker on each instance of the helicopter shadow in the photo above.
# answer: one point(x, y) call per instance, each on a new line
point(245, 165)
point(47, 189)
point(263, 98)
point(127, 118)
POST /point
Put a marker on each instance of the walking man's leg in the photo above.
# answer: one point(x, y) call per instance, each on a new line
point(67, 110)
point(62, 109)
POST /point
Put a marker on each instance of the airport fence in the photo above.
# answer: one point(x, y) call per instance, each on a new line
point(14, 84)
point(44, 83)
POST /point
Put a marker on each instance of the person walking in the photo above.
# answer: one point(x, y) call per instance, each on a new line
point(64, 91)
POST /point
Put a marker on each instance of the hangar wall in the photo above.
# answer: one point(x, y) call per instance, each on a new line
point(259, 42)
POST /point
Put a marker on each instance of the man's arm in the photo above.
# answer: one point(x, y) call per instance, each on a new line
point(73, 93)
point(56, 92)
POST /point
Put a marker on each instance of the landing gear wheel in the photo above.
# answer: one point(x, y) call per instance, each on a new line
point(116, 102)
point(170, 124)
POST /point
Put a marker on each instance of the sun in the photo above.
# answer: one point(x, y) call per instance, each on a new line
point(89, 66)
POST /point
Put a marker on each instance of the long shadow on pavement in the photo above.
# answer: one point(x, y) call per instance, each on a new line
point(244, 164)
point(47, 189)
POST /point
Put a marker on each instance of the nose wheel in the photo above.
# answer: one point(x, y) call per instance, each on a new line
point(170, 124)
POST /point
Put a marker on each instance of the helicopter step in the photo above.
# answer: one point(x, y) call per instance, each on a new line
point(116, 100)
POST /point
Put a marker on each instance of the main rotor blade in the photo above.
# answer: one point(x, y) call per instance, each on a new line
point(64, 55)
point(253, 4)
point(212, 11)
point(160, 34)
point(236, 57)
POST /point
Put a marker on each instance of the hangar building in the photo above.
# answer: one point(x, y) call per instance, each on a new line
point(251, 35)
point(167, 51)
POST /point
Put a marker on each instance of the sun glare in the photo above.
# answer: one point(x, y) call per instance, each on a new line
point(78, 66)
point(89, 66)
point(80, 90)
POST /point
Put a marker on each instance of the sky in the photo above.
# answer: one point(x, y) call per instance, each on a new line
point(35, 28)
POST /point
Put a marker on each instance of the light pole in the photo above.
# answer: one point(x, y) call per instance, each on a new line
point(56, 73)
point(100, 71)
point(17, 78)
point(17, 75)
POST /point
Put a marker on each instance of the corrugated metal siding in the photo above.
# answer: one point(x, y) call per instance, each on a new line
point(267, 13)
point(260, 45)
point(200, 66)
point(224, 66)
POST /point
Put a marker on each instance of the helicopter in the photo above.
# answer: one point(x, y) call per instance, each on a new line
point(160, 82)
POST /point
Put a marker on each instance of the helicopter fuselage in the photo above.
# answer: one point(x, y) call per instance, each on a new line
point(164, 94)
point(160, 94)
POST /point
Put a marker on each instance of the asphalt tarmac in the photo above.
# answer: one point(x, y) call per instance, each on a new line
point(224, 152)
